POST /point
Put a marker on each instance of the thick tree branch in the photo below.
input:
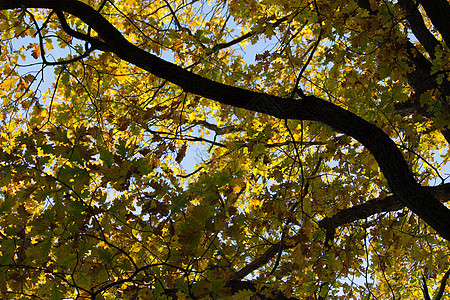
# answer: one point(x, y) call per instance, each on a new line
point(362, 211)
point(262, 260)
point(438, 11)
point(386, 153)
point(442, 285)
point(84, 37)
point(425, 37)
point(218, 130)
point(238, 285)
point(421, 80)
point(375, 206)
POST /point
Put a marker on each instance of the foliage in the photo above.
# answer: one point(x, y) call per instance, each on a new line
point(104, 194)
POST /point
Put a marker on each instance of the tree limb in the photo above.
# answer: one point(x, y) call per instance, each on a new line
point(375, 206)
point(390, 160)
point(440, 293)
point(218, 130)
point(247, 35)
point(421, 80)
point(259, 262)
point(438, 11)
point(362, 211)
point(415, 20)
point(426, 294)
point(84, 37)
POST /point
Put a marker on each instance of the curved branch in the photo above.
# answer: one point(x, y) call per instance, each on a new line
point(247, 35)
point(375, 206)
point(418, 27)
point(438, 11)
point(401, 181)
point(239, 285)
point(362, 211)
point(84, 37)
point(442, 285)
point(261, 261)
point(426, 294)
point(421, 80)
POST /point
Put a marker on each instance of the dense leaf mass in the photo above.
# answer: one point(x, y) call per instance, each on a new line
point(240, 149)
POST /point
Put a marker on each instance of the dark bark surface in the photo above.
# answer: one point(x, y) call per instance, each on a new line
point(439, 11)
point(375, 206)
point(386, 153)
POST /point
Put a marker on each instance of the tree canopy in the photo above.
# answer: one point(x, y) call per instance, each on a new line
point(214, 149)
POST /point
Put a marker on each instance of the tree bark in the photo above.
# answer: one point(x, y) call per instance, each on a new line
point(386, 153)
point(438, 11)
point(376, 206)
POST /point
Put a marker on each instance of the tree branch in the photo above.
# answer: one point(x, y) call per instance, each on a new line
point(247, 35)
point(421, 80)
point(270, 253)
point(440, 293)
point(238, 285)
point(415, 20)
point(375, 206)
point(94, 42)
point(390, 160)
point(438, 11)
point(426, 294)
point(218, 130)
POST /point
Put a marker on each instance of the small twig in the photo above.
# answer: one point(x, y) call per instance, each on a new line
point(41, 42)
point(425, 161)
point(296, 88)
point(245, 36)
